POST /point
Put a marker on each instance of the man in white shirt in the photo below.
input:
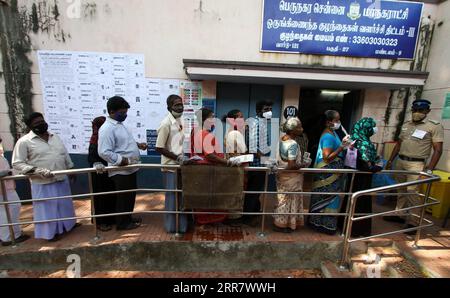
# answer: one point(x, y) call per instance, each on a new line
point(170, 144)
point(38, 153)
point(117, 146)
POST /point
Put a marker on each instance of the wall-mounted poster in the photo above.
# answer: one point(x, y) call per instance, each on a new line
point(77, 85)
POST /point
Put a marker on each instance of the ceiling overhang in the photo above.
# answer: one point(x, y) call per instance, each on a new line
point(307, 76)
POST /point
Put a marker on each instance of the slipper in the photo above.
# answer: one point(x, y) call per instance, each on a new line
point(104, 227)
point(130, 226)
point(56, 238)
point(74, 227)
point(19, 239)
point(137, 220)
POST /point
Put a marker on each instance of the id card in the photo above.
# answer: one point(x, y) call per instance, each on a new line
point(419, 134)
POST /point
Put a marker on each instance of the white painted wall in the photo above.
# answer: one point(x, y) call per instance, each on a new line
point(170, 30)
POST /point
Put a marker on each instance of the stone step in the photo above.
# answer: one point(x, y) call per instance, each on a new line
point(383, 251)
point(299, 273)
point(379, 270)
point(184, 256)
point(332, 270)
point(380, 242)
point(405, 269)
point(426, 267)
point(359, 247)
point(384, 262)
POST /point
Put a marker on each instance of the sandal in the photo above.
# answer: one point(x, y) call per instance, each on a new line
point(137, 220)
point(19, 239)
point(130, 226)
point(56, 238)
point(104, 227)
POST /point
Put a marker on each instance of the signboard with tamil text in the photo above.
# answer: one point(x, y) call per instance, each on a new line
point(357, 28)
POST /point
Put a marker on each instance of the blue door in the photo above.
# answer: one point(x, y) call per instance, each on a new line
point(245, 96)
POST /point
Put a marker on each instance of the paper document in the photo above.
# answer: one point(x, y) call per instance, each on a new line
point(243, 158)
point(196, 157)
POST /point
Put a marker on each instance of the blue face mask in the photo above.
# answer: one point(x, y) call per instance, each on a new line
point(118, 116)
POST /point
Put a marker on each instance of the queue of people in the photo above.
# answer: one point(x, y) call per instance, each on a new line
point(40, 153)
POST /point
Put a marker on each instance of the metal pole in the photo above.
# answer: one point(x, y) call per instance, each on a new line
point(263, 221)
point(348, 204)
point(346, 247)
point(177, 215)
point(8, 214)
point(422, 213)
point(94, 219)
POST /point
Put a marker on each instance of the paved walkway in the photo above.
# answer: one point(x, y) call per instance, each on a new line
point(434, 253)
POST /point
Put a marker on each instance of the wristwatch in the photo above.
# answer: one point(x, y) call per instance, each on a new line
point(429, 172)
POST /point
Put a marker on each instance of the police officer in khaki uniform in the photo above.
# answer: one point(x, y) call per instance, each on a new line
point(417, 138)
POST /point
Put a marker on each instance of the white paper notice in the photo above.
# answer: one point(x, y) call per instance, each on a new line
point(77, 85)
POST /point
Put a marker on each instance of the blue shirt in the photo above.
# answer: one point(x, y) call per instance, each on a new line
point(327, 141)
point(115, 142)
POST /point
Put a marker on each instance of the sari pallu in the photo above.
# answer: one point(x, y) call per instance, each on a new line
point(326, 182)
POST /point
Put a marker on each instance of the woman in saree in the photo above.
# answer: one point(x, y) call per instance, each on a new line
point(290, 157)
point(205, 147)
point(329, 156)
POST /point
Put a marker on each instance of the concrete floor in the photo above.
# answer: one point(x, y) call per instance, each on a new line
point(434, 253)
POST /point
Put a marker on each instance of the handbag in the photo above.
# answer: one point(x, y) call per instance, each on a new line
point(351, 157)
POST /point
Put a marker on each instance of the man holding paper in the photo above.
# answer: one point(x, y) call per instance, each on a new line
point(170, 145)
point(416, 139)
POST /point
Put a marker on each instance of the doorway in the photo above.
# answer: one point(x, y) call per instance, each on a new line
point(314, 102)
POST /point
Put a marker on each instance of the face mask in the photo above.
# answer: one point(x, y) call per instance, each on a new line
point(177, 114)
point(120, 117)
point(267, 115)
point(40, 129)
point(375, 130)
point(417, 116)
point(336, 126)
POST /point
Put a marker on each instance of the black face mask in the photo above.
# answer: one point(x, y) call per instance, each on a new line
point(40, 129)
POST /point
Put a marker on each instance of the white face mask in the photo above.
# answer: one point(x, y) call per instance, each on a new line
point(267, 115)
point(375, 130)
point(176, 114)
point(336, 126)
